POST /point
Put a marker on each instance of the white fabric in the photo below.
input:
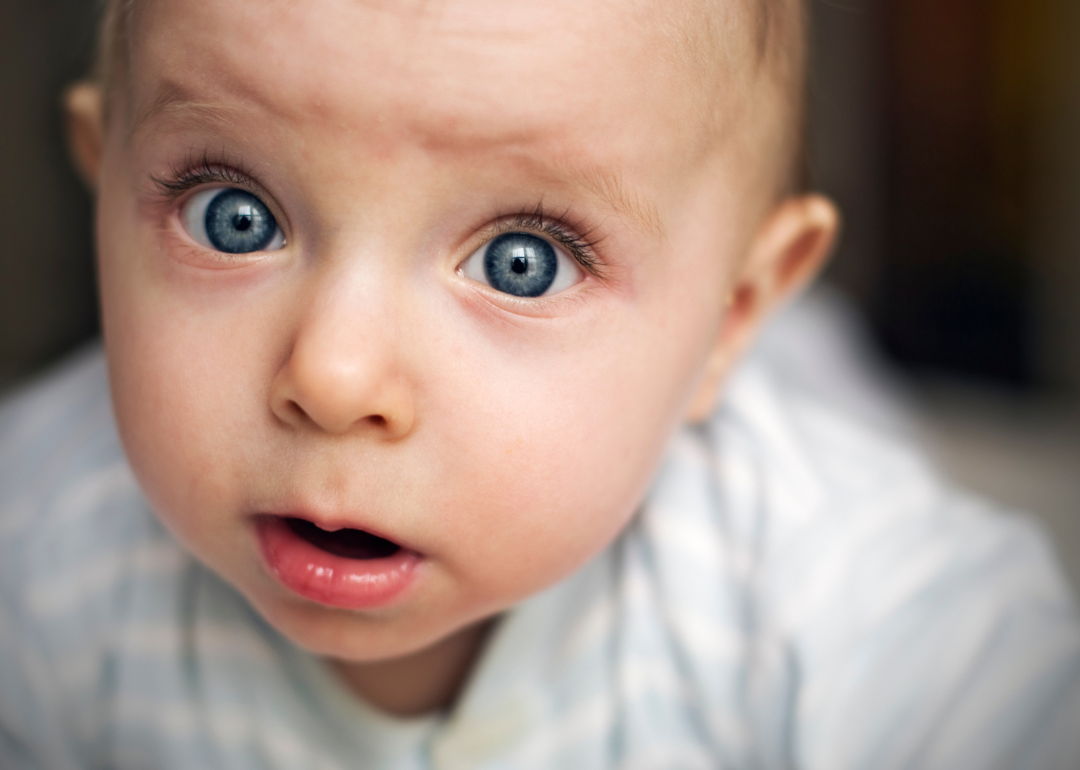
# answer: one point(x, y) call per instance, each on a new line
point(794, 593)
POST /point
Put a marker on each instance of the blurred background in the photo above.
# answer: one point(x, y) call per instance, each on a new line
point(948, 131)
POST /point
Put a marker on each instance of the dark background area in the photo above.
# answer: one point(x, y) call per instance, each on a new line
point(947, 130)
point(47, 302)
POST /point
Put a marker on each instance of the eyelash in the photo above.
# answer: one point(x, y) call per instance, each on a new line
point(574, 235)
point(195, 172)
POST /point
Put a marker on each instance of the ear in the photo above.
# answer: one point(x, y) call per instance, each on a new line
point(788, 251)
point(83, 109)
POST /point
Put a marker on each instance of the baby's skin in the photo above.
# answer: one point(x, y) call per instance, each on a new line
point(445, 273)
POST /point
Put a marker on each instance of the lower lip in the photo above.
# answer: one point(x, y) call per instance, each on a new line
point(353, 584)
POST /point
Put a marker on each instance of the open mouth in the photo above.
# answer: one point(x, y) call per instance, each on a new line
point(347, 568)
point(346, 543)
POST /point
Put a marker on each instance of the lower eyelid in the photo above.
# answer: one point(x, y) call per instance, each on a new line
point(509, 307)
point(181, 247)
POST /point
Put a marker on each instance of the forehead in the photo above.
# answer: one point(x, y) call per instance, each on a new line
point(467, 73)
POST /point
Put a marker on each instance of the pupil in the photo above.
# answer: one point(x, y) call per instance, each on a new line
point(520, 264)
point(242, 222)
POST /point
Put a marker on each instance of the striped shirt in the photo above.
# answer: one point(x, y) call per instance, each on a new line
point(795, 592)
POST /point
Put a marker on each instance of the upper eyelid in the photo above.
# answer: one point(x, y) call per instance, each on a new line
point(206, 173)
point(582, 248)
point(182, 183)
point(209, 166)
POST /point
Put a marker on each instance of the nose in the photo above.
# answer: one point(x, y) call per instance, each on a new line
point(343, 374)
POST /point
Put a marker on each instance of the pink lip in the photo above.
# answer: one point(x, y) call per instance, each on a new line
point(326, 578)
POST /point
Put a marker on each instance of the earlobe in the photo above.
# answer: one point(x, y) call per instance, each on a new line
point(789, 250)
point(84, 111)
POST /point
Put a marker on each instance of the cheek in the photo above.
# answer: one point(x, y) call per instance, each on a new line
point(188, 382)
point(177, 396)
point(554, 459)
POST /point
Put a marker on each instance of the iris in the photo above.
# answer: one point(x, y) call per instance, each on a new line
point(520, 264)
point(238, 223)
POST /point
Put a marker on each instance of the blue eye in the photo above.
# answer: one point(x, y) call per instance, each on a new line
point(231, 221)
point(523, 265)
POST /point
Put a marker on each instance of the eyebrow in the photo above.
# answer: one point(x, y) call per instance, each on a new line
point(608, 185)
point(174, 99)
point(604, 183)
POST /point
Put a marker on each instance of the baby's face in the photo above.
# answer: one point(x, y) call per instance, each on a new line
point(443, 273)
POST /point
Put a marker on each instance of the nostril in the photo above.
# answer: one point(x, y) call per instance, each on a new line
point(295, 415)
point(296, 412)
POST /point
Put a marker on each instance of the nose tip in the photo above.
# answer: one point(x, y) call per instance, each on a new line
point(338, 394)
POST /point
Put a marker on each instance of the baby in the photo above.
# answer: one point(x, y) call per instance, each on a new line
point(415, 319)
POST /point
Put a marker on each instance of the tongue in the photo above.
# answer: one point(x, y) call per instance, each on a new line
point(348, 543)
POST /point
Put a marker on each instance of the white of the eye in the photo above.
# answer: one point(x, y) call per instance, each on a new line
point(567, 273)
point(193, 218)
point(193, 215)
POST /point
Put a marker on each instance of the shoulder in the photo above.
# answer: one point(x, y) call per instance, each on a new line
point(67, 494)
point(55, 428)
point(76, 536)
point(831, 490)
point(925, 624)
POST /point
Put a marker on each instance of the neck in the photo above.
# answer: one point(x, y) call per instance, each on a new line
point(425, 681)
